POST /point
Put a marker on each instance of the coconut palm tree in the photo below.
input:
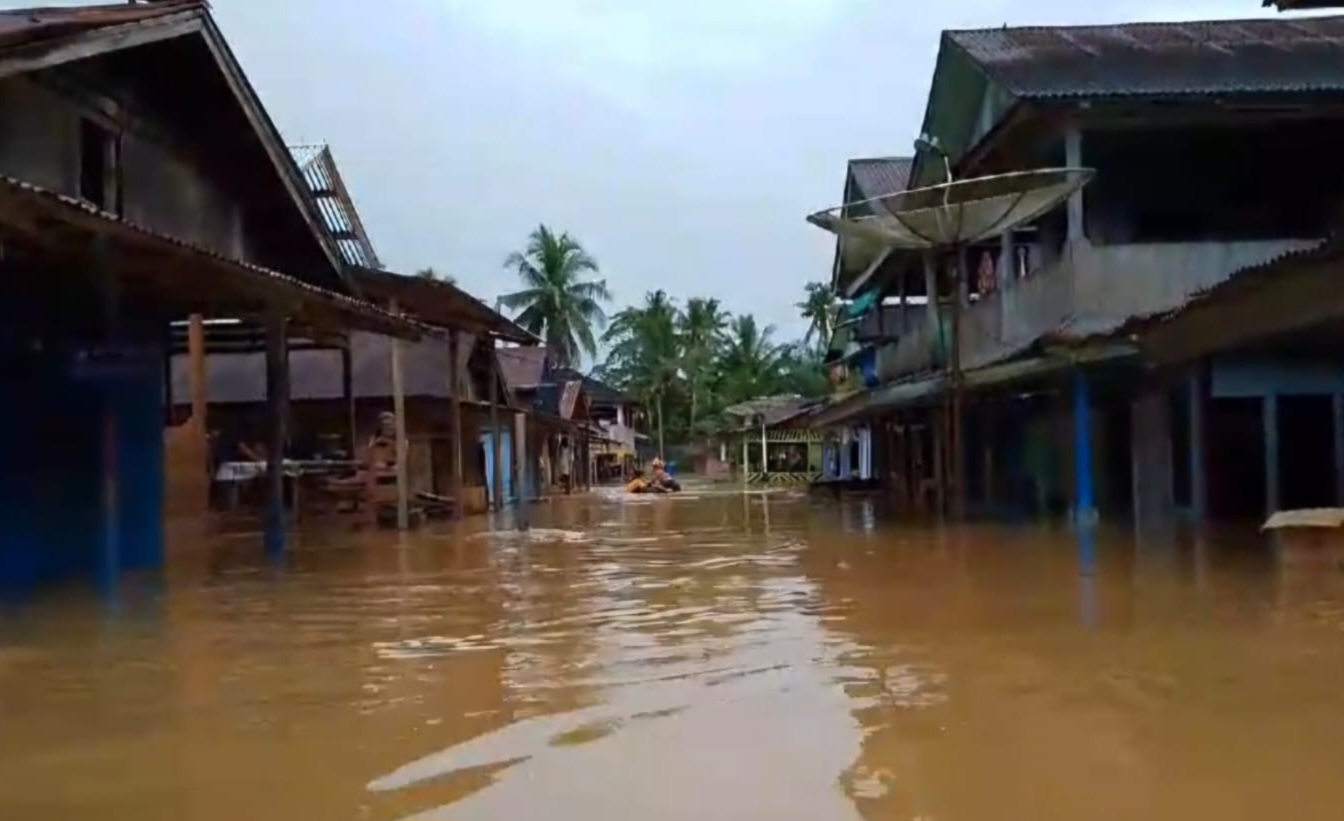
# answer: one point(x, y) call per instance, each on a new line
point(819, 309)
point(751, 359)
point(701, 327)
point(645, 355)
point(556, 302)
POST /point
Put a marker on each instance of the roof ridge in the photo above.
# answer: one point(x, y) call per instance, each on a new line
point(1140, 24)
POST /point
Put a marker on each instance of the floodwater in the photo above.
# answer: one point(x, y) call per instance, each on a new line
point(735, 657)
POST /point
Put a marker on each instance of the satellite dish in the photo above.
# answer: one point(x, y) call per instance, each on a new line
point(945, 217)
point(951, 214)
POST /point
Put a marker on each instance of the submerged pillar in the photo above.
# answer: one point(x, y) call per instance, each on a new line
point(1270, 416)
point(1151, 459)
point(277, 413)
point(455, 420)
point(1199, 485)
point(1337, 402)
point(1085, 504)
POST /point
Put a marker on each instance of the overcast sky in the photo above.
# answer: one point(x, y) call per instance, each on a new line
point(682, 141)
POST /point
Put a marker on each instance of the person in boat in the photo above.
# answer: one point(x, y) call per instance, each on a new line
point(663, 479)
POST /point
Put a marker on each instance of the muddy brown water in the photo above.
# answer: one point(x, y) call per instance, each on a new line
point(744, 658)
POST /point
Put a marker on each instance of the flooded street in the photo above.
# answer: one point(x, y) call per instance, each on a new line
point(746, 658)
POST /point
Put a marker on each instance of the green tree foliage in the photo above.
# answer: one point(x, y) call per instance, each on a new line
point(557, 303)
point(687, 363)
point(819, 308)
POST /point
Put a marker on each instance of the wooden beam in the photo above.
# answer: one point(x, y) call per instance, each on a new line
point(348, 396)
point(399, 411)
point(455, 418)
point(277, 406)
point(497, 433)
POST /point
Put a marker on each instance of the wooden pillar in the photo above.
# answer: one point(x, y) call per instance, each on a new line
point(520, 457)
point(1151, 459)
point(1085, 504)
point(496, 435)
point(1337, 403)
point(403, 444)
point(196, 371)
point(937, 419)
point(348, 395)
point(277, 419)
point(1270, 416)
point(455, 420)
point(1006, 272)
point(765, 457)
point(745, 456)
point(931, 288)
point(1199, 485)
point(1073, 158)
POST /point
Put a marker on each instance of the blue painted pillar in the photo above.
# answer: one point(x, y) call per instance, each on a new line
point(846, 452)
point(1271, 420)
point(140, 468)
point(1085, 506)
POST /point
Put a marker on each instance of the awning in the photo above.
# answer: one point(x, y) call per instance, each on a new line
point(934, 386)
point(185, 277)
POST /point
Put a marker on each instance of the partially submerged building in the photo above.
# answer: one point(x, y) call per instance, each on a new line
point(130, 197)
point(1213, 149)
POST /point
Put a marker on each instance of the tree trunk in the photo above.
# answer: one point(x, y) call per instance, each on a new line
point(662, 454)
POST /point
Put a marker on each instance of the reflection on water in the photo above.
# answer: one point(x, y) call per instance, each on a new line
point(732, 656)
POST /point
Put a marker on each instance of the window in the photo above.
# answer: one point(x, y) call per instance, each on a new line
point(98, 166)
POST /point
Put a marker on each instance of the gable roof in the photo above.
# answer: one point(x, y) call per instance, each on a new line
point(438, 302)
point(39, 38)
point(522, 368)
point(981, 75)
point(327, 188)
point(878, 176)
point(597, 390)
point(1159, 59)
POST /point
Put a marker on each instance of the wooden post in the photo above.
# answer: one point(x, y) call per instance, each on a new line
point(277, 418)
point(765, 459)
point(1199, 486)
point(455, 419)
point(348, 394)
point(745, 456)
point(1073, 158)
point(520, 467)
point(196, 371)
point(497, 434)
point(1006, 271)
point(198, 427)
point(403, 445)
point(1271, 420)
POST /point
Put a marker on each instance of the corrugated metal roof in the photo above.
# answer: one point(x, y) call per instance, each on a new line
point(880, 176)
point(33, 25)
point(1134, 59)
point(522, 367)
point(334, 203)
point(26, 202)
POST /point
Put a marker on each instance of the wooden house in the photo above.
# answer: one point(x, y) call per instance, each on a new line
point(131, 197)
point(1199, 134)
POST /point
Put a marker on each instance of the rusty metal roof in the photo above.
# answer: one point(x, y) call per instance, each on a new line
point(439, 302)
point(522, 368)
point(30, 210)
point(34, 25)
point(879, 176)
point(1158, 59)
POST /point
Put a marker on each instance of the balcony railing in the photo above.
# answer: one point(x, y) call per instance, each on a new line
point(1091, 288)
